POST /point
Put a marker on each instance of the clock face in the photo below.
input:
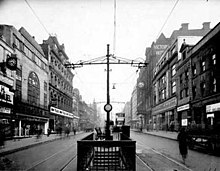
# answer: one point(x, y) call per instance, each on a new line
point(12, 62)
point(140, 84)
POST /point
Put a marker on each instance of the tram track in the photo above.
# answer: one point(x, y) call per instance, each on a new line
point(54, 155)
point(184, 167)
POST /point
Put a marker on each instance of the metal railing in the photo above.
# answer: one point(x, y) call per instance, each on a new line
point(106, 155)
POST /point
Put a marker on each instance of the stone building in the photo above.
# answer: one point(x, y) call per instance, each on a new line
point(60, 85)
point(205, 69)
point(30, 109)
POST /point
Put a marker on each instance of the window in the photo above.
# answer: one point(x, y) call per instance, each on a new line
point(45, 86)
point(33, 89)
point(181, 78)
point(203, 65)
point(184, 55)
point(187, 92)
point(45, 100)
point(194, 92)
point(173, 72)
point(181, 94)
point(203, 88)
point(173, 87)
point(33, 57)
point(214, 59)
point(194, 69)
point(186, 75)
point(214, 85)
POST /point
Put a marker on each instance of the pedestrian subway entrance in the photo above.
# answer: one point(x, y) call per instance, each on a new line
point(118, 155)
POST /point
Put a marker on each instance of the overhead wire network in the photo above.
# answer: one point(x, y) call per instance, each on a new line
point(165, 22)
point(114, 36)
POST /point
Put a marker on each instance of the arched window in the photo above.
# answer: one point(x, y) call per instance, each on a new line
point(33, 89)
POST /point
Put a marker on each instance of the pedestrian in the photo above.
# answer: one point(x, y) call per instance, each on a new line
point(74, 131)
point(182, 139)
point(48, 132)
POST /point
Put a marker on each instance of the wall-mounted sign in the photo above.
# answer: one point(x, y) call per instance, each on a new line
point(6, 95)
point(61, 112)
point(213, 107)
point(184, 107)
point(184, 122)
point(5, 110)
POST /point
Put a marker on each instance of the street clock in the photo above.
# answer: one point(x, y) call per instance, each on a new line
point(108, 107)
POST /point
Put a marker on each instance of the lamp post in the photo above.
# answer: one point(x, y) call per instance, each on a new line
point(108, 106)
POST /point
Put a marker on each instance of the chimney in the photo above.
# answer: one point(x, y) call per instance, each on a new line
point(206, 25)
point(184, 26)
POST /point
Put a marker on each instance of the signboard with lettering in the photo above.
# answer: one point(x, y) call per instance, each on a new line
point(5, 95)
point(213, 107)
point(61, 112)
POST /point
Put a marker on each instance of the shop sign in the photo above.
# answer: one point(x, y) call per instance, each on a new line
point(165, 106)
point(213, 107)
point(61, 112)
point(5, 110)
point(211, 115)
point(184, 107)
point(6, 95)
point(184, 122)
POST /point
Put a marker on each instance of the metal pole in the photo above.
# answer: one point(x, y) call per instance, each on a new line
point(108, 97)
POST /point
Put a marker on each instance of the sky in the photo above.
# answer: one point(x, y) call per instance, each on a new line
point(87, 26)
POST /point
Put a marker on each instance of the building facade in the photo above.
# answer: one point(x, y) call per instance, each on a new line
point(205, 69)
point(60, 85)
point(30, 109)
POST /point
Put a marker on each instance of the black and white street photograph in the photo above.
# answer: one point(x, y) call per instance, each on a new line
point(109, 85)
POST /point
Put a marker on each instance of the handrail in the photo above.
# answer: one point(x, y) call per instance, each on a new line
point(101, 154)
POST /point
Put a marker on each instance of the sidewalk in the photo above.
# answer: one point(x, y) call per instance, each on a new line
point(24, 143)
point(164, 134)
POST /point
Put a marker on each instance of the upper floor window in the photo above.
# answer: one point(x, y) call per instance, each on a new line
point(186, 75)
point(173, 87)
point(214, 85)
point(181, 78)
point(33, 89)
point(194, 92)
point(203, 86)
point(194, 69)
point(173, 72)
point(214, 59)
point(203, 65)
point(184, 55)
point(187, 92)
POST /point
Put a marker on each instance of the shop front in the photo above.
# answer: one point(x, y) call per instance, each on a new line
point(59, 119)
point(164, 114)
point(184, 115)
point(6, 111)
point(213, 115)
